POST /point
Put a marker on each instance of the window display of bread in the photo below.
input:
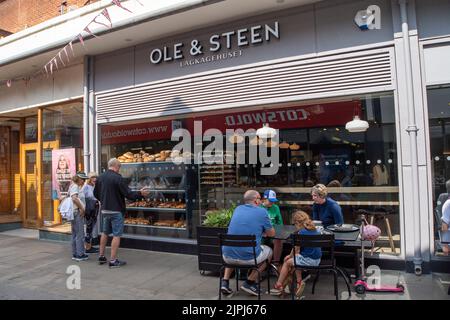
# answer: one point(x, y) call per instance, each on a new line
point(128, 155)
point(294, 146)
point(141, 221)
point(284, 145)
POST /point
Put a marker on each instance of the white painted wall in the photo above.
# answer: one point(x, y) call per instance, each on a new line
point(64, 85)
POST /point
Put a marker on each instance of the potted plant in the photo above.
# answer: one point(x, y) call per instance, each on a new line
point(208, 240)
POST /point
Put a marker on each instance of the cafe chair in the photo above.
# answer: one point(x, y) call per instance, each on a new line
point(326, 243)
point(241, 241)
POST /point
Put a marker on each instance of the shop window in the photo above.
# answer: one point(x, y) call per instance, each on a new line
point(360, 169)
point(439, 124)
point(31, 129)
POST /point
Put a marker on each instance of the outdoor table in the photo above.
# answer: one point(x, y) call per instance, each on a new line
point(350, 240)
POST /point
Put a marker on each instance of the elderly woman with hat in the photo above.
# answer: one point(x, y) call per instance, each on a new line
point(78, 198)
point(92, 208)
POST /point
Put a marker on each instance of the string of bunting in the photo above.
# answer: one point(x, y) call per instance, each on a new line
point(62, 58)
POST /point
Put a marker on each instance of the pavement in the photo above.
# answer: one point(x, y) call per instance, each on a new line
point(38, 269)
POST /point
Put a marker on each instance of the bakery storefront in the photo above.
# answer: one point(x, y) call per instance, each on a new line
point(220, 85)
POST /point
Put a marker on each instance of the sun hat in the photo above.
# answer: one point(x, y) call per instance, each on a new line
point(82, 175)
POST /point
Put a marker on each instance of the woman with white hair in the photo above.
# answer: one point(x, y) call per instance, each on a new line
point(324, 208)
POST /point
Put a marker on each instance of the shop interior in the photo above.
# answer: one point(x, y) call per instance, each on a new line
point(360, 169)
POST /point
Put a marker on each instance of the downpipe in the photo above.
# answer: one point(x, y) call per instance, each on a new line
point(86, 153)
point(412, 132)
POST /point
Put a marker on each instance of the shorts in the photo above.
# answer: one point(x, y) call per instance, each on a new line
point(112, 223)
point(306, 261)
point(265, 253)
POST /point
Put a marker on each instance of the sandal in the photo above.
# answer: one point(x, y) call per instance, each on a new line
point(300, 288)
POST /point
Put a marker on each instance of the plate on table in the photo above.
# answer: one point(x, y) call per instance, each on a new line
point(343, 227)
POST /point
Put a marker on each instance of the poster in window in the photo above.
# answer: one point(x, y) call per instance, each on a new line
point(63, 168)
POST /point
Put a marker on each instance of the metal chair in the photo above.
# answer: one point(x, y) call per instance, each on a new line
point(241, 241)
point(323, 241)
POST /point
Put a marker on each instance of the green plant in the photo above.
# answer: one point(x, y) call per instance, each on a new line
point(219, 218)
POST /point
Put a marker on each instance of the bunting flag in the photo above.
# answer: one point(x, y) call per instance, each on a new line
point(80, 37)
point(117, 3)
point(67, 55)
point(71, 48)
point(105, 13)
point(60, 58)
point(46, 71)
point(56, 63)
point(51, 66)
point(89, 31)
point(8, 83)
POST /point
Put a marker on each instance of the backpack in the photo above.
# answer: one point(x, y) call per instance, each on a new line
point(65, 208)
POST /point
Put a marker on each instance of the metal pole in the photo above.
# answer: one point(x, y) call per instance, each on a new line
point(412, 132)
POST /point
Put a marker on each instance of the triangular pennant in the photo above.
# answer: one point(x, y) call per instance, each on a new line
point(71, 48)
point(8, 83)
point(89, 31)
point(105, 13)
point(46, 71)
point(56, 62)
point(117, 3)
point(60, 58)
point(51, 67)
point(80, 37)
point(95, 20)
point(67, 55)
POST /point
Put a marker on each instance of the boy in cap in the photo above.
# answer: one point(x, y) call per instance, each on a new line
point(269, 200)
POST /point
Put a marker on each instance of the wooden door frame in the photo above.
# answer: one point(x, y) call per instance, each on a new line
point(23, 149)
point(52, 145)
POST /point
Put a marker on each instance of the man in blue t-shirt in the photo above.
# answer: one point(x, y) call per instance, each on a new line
point(248, 219)
point(324, 208)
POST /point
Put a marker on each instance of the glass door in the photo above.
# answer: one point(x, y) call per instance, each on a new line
point(49, 201)
point(30, 183)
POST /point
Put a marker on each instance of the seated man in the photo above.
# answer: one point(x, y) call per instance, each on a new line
point(248, 219)
point(325, 209)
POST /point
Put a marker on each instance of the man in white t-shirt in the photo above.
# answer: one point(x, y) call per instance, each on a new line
point(445, 222)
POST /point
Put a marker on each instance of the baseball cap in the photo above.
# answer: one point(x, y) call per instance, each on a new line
point(82, 175)
point(271, 195)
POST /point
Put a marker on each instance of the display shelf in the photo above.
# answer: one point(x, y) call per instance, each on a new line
point(154, 209)
point(153, 227)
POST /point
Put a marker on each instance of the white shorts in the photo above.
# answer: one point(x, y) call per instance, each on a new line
point(265, 253)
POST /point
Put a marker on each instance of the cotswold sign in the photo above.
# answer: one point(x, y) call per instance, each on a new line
point(198, 53)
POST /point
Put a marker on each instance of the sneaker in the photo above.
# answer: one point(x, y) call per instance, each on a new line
point(74, 257)
point(117, 263)
point(225, 287)
point(300, 289)
point(277, 290)
point(92, 250)
point(102, 260)
point(83, 257)
point(250, 288)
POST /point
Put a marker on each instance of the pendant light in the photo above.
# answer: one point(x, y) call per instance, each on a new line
point(266, 132)
point(357, 125)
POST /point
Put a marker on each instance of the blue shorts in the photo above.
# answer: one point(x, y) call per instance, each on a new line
point(112, 223)
point(306, 261)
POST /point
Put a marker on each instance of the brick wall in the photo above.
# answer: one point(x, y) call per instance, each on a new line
point(16, 15)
